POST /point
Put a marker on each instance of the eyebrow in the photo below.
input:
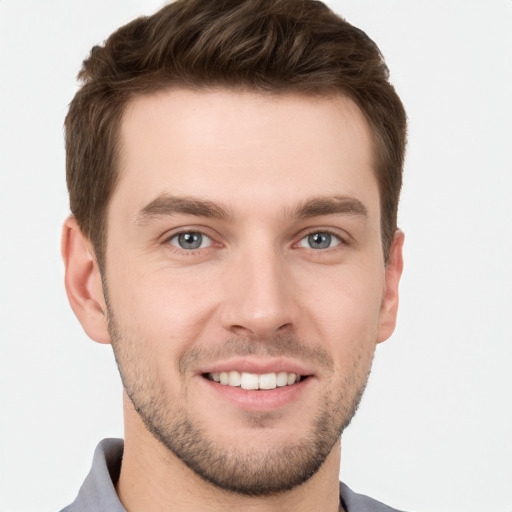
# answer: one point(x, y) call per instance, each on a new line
point(168, 205)
point(171, 205)
point(319, 206)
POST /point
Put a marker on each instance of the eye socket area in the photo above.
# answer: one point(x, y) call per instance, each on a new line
point(190, 240)
point(320, 240)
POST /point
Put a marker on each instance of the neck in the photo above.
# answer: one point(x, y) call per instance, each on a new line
point(153, 479)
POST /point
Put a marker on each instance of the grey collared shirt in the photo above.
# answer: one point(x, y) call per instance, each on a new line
point(98, 492)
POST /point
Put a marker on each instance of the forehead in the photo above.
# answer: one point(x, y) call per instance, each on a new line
point(246, 149)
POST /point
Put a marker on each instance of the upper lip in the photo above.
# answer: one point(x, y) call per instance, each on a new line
point(259, 366)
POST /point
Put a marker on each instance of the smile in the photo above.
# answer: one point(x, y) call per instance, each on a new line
point(254, 381)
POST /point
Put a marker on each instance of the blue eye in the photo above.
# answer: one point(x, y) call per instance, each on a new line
point(320, 240)
point(190, 240)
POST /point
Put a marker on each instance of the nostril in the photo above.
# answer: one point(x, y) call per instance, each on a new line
point(240, 330)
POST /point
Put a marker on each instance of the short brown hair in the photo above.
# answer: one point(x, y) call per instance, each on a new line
point(274, 46)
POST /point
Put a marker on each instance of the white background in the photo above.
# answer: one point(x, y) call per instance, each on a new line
point(434, 430)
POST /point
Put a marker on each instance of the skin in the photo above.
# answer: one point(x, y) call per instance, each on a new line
point(272, 171)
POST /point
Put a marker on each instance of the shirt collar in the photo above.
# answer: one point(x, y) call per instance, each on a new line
point(98, 490)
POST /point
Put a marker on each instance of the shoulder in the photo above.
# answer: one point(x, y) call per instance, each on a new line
point(354, 502)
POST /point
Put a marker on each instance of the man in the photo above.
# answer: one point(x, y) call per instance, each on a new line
point(234, 170)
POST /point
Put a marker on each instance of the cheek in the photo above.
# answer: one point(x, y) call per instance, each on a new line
point(164, 308)
point(154, 332)
point(344, 307)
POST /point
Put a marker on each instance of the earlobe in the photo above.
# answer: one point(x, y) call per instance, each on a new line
point(83, 282)
point(389, 305)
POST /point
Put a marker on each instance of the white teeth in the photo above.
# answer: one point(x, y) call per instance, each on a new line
point(234, 378)
point(282, 379)
point(253, 380)
point(249, 381)
point(268, 381)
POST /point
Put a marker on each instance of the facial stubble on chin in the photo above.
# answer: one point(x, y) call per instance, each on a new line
point(260, 470)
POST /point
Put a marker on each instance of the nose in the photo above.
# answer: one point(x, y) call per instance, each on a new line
point(260, 302)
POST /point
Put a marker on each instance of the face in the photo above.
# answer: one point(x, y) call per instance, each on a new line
point(245, 279)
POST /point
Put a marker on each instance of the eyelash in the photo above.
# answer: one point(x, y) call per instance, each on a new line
point(304, 235)
point(329, 232)
point(188, 252)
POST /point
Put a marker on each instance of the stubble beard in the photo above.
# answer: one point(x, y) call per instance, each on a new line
point(251, 471)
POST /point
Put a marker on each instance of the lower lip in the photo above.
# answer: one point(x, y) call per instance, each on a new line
point(259, 400)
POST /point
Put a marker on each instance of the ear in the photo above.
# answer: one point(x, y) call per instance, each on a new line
point(83, 282)
point(389, 305)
